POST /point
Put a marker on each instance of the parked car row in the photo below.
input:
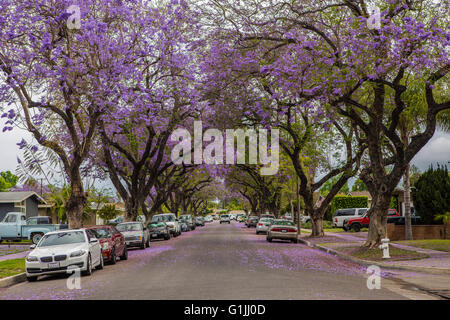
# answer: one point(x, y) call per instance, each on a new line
point(89, 248)
point(282, 229)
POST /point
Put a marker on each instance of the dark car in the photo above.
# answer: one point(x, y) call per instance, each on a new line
point(158, 230)
point(252, 221)
point(112, 242)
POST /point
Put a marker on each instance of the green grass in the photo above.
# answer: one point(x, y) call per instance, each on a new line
point(11, 267)
point(396, 254)
point(16, 242)
point(432, 244)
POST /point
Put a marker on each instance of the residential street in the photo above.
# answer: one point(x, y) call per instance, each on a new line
point(219, 262)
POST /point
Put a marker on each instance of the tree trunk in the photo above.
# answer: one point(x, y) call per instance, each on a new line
point(378, 219)
point(407, 196)
point(317, 227)
point(299, 220)
point(76, 203)
point(132, 208)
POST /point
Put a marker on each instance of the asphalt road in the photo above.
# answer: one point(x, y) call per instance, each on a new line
point(218, 262)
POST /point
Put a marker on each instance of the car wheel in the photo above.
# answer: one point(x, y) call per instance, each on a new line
point(269, 239)
point(124, 255)
point(257, 232)
point(102, 262)
point(356, 228)
point(32, 279)
point(36, 237)
point(142, 245)
point(113, 257)
point(147, 244)
point(294, 240)
point(88, 270)
point(345, 229)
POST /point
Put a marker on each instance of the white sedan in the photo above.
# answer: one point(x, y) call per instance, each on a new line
point(64, 252)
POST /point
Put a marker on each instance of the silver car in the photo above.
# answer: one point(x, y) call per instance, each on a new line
point(135, 233)
point(263, 225)
point(282, 229)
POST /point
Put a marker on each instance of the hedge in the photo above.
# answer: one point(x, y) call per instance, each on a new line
point(343, 202)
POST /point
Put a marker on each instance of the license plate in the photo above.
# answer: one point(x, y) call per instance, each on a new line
point(283, 230)
point(53, 265)
point(154, 235)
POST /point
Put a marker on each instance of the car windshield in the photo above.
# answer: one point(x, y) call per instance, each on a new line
point(224, 216)
point(163, 218)
point(101, 232)
point(184, 217)
point(129, 227)
point(283, 223)
point(266, 220)
point(56, 239)
point(156, 225)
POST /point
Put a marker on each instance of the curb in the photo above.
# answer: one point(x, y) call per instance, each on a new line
point(9, 281)
point(440, 271)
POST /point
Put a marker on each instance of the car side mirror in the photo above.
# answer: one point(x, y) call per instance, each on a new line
point(33, 246)
point(94, 240)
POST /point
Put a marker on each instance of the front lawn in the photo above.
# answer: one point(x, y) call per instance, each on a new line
point(396, 254)
point(432, 244)
point(11, 267)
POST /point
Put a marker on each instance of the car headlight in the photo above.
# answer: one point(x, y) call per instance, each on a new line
point(77, 253)
point(31, 258)
point(105, 246)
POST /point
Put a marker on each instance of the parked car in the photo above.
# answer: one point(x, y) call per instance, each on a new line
point(346, 214)
point(305, 219)
point(208, 218)
point(135, 233)
point(62, 251)
point(357, 224)
point(187, 218)
point(16, 227)
point(216, 217)
point(112, 242)
point(263, 225)
point(225, 218)
point(183, 226)
point(115, 221)
point(282, 229)
point(287, 216)
point(159, 230)
point(267, 215)
point(252, 221)
point(171, 220)
point(199, 221)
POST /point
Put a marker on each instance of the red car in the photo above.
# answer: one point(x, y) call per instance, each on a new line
point(363, 222)
point(112, 242)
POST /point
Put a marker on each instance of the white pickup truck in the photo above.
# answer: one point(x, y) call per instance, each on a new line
point(15, 227)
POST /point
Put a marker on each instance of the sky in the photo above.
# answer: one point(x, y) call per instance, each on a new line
point(436, 151)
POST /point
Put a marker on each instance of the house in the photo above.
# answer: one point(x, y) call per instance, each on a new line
point(398, 193)
point(20, 201)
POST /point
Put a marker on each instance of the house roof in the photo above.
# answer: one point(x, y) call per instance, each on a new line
point(19, 196)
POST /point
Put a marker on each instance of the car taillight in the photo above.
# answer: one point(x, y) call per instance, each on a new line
point(335, 219)
point(281, 229)
point(260, 224)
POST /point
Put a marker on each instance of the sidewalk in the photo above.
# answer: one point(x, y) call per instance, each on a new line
point(431, 274)
point(13, 252)
point(437, 262)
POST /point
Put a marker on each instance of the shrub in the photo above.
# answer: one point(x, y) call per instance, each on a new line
point(343, 202)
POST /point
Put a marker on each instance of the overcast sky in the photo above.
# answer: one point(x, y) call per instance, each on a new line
point(436, 151)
